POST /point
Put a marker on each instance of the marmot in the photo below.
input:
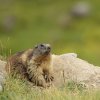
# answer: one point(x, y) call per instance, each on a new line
point(33, 64)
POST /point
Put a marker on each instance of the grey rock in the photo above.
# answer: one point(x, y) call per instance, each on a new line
point(9, 22)
point(67, 67)
point(64, 21)
point(81, 9)
point(2, 74)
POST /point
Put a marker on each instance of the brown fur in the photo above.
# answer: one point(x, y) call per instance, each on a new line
point(32, 65)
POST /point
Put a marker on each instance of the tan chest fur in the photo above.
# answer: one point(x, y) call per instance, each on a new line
point(45, 63)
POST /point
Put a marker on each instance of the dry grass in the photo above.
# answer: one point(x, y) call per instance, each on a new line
point(16, 89)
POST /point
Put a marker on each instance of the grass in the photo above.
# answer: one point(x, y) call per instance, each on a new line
point(36, 21)
point(16, 89)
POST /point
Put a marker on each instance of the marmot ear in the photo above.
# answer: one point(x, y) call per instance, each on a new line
point(36, 46)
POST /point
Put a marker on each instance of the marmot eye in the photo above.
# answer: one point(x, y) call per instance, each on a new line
point(42, 45)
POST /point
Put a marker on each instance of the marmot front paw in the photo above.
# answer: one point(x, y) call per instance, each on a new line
point(49, 78)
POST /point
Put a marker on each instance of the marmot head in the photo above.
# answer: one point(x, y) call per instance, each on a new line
point(42, 50)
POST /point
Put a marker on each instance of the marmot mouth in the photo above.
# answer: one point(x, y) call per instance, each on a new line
point(47, 52)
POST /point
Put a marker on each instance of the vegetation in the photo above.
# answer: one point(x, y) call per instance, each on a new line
point(25, 23)
point(16, 89)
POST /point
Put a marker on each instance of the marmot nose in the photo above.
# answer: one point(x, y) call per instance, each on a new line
point(48, 46)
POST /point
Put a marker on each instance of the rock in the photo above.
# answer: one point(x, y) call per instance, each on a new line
point(81, 9)
point(64, 21)
point(8, 23)
point(67, 67)
point(2, 74)
point(1, 88)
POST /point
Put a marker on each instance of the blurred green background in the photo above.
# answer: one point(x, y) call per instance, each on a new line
point(25, 23)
